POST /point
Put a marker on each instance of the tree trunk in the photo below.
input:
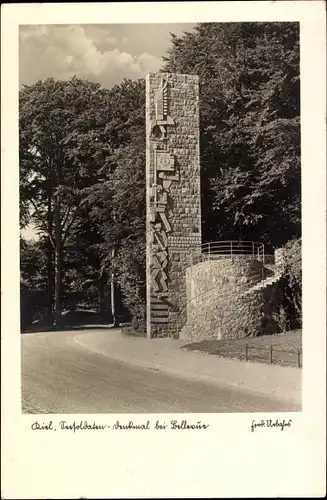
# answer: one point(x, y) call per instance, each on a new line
point(49, 265)
point(113, 294)
point(50, 281)
point(58, 259)
point(101, 295)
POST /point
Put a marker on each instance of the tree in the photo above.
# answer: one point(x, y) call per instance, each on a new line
point(117, 205)
point(82, 162)
point(59, 124)
point(250, 127)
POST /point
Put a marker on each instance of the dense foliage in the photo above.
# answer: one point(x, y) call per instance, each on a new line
point(82, 187)
point(250, 127)
point(59, 156)
point(117, 206)
point(292, 252)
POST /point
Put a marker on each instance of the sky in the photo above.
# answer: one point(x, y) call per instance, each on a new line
point(103, 53)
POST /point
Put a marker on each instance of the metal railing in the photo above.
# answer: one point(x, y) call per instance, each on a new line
point(229, 249)
point(274, 355)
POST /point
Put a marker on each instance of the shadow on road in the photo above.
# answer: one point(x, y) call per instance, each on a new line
point(74, 320)
point(69, 328)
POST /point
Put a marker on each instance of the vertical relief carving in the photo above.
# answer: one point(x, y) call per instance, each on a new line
point(164, 173)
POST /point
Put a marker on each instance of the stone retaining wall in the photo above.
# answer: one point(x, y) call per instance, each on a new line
point(216, 305)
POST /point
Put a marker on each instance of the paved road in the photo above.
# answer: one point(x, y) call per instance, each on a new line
point(61, 376)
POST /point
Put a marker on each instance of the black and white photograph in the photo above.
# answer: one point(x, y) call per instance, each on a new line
point(163, 237)
point(160, 213)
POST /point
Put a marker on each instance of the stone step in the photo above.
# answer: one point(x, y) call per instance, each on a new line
point(159, 314)
point(263, 284)
point(156, 320)
point(159, 307)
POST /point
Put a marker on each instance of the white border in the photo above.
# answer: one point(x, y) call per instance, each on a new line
point(227, 460)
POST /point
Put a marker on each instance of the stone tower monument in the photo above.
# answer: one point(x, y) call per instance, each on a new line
point(173, 195)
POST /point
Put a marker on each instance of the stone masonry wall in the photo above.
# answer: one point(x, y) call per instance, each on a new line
point(217, 307)
point(173, 194)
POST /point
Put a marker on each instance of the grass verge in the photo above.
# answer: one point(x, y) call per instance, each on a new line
point(282, 349)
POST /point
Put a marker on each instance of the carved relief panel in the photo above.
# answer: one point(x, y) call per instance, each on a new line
point(164, 173)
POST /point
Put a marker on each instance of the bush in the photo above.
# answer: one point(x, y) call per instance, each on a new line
point(292, 277)
point(280, 317)
point(33, 305)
